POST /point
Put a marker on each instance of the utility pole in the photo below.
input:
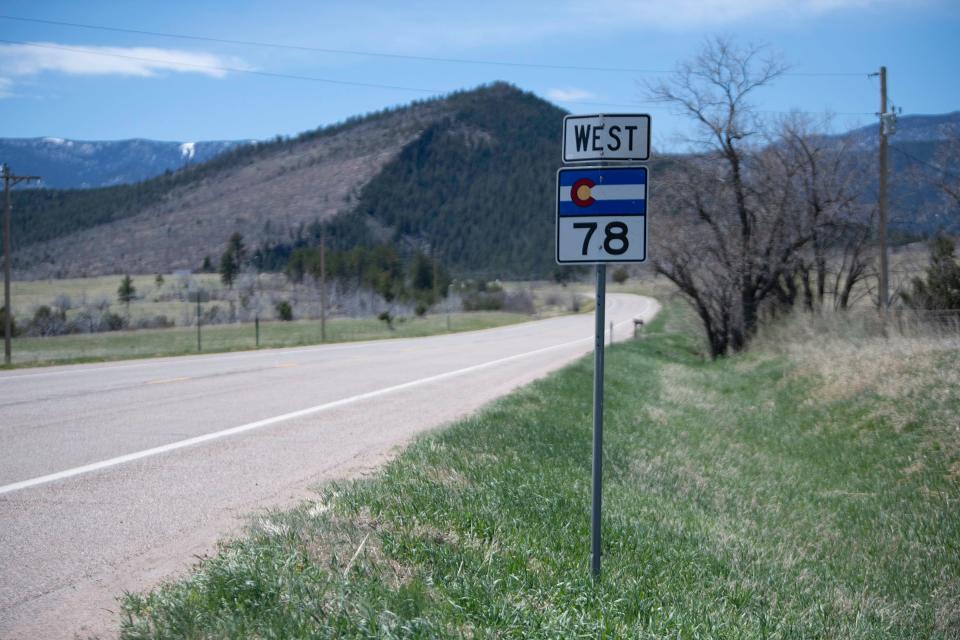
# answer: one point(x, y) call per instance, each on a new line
point(882, 202)
point(9, 180)
point(323, 284)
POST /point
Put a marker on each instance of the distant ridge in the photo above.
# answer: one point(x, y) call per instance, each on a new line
point(75, 164)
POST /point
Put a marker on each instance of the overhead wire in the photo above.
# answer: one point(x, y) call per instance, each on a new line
point(925, 163)
point(384, 54)
point(275, 45)
point(353, 83)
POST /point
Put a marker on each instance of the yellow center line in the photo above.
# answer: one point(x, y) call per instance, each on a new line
point(285, 365)
point(167, 380)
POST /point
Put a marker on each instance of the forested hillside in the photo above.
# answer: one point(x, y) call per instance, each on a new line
point(48, 214)
point(466, 179)
point(475, 189)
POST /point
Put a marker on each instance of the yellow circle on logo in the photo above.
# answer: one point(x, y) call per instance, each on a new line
point(583, 192)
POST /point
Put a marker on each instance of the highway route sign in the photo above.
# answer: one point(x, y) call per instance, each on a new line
point(622, 137)
point(601, 215)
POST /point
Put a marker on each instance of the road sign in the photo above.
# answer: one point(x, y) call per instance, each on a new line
point(620, 137)
point(601, 215)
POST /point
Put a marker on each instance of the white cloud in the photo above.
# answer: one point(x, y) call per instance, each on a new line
point(38, 57)
point(570, 94)
point(6, 88)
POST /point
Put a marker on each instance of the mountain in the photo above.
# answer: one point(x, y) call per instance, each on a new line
point(911, 129)
point(922, 150)
point(72, 164)
point(467, 178)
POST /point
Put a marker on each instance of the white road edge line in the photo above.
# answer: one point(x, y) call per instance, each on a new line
point(189, 442)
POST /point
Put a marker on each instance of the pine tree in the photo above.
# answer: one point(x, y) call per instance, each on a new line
point(941, 290)
point(228, 268)
point(126, 292)
point(232, 259)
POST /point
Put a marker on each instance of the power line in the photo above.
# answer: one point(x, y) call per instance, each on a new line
point(925, 163)
point(663, 105)
point(352, 52)
point(373, 85)
point(382, 54)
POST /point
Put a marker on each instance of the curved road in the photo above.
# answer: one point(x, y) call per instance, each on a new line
point(113, 476)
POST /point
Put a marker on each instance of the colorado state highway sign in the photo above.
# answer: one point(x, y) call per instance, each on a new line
point(602, 215)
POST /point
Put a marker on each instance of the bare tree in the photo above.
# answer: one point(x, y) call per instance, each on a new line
point(829, 182)
point(736, 195)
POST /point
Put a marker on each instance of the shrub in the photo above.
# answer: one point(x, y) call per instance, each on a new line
point(620, 275)
point(214, 315)
point(484, 301)
point(519, 302)
point(156, 322)
point(47, 322)
point(284, 310)
point(941, 289)
point(113, 322)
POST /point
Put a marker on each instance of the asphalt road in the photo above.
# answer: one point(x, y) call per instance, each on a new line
point(113, 477)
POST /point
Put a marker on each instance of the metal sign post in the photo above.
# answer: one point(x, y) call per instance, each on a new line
point(597, 419)
point(602, 218)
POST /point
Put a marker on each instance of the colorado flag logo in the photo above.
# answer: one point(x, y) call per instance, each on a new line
point(603, 192)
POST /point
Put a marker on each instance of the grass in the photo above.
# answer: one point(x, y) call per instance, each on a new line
point(793, 492)
point(548, 299)
point(117, 345)
point(27, 295)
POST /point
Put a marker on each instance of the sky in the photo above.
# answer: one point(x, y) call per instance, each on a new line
point(130, 78)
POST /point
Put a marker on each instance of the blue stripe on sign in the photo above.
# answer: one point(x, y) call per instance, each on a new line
point(604, 176)
point(608, 176)
point(605, 208)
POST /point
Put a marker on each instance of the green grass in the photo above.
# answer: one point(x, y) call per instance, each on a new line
point(764, 496)
point(548, 299)
point(117, 345)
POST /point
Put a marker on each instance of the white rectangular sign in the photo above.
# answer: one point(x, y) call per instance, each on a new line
point(606, 137)
point(602, 214)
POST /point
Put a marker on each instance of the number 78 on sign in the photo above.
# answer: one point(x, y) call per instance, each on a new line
point(602, 215)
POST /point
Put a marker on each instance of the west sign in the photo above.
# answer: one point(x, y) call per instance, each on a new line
point(623, 137)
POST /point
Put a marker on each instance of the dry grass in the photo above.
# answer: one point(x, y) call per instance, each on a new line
point(911, 375)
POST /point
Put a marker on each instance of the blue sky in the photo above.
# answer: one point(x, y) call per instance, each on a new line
point(177, 89)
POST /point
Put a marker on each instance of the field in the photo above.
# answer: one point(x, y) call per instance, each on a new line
point(807, 489)
point(169, 300)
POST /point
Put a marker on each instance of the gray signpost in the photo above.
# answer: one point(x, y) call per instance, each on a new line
point(602, 218)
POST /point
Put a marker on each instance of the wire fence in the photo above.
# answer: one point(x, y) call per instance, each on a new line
point(927, 322)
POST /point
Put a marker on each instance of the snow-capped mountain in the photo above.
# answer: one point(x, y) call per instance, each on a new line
point(66, 163)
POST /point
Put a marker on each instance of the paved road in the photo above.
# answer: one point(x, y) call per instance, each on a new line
point(114, 476)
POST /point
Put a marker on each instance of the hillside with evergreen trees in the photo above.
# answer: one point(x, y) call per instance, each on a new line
point(466, 179)
point(475, 190)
